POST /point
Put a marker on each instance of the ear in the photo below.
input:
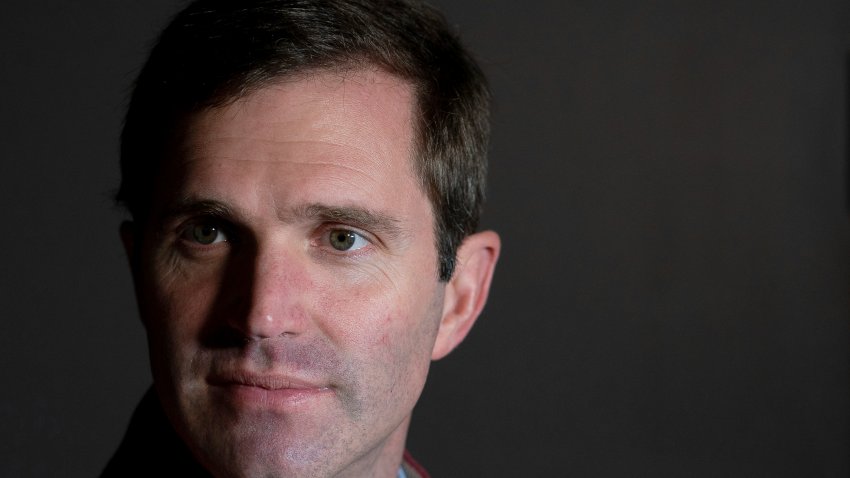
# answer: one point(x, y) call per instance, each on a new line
point(466, 292)
point(128, 238)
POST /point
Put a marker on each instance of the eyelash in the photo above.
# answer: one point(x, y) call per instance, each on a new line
point(185, 233)
point(324, 241)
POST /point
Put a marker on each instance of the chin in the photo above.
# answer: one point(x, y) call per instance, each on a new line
point(272, 462)
point(264, 446)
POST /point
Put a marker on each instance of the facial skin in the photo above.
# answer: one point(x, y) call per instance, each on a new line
point(287, 280)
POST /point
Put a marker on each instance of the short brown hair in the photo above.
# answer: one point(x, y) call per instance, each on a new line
point(217, 51)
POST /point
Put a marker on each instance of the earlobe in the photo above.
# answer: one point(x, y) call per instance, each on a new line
point(466, 293)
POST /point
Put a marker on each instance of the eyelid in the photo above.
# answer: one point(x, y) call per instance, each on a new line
point(357, 238)
point(186, 227)
point(377, 226)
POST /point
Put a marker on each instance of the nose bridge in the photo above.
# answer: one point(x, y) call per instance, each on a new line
point(276, 295)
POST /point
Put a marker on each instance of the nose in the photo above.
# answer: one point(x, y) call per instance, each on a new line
point(274, 297)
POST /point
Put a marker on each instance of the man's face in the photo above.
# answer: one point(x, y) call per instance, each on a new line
point(287, 279)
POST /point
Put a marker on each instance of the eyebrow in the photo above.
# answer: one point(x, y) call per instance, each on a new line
point(373, 221)
point(191, 207)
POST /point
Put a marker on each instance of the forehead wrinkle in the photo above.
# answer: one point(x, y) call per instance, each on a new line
point(201, 152)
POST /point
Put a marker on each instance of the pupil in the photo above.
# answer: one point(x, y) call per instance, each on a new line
point(342, 240)
point(205, 234)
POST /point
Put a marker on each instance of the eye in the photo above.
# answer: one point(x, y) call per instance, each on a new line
point(346, 240)
point(205, 233)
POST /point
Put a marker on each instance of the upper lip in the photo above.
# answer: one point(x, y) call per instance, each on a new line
point(268, 381)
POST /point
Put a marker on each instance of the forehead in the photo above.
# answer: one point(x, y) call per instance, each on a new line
point(340, 136)
point(364, 107)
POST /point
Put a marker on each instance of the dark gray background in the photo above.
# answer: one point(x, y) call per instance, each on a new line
point(669, 179)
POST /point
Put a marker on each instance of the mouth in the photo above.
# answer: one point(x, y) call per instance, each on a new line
point(246, 389)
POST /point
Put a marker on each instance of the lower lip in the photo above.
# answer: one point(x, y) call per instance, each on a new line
point(246, 395)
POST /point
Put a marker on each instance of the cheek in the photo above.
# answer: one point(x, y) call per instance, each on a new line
point(174, 306)
point(389, 328)
point(374, 313)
